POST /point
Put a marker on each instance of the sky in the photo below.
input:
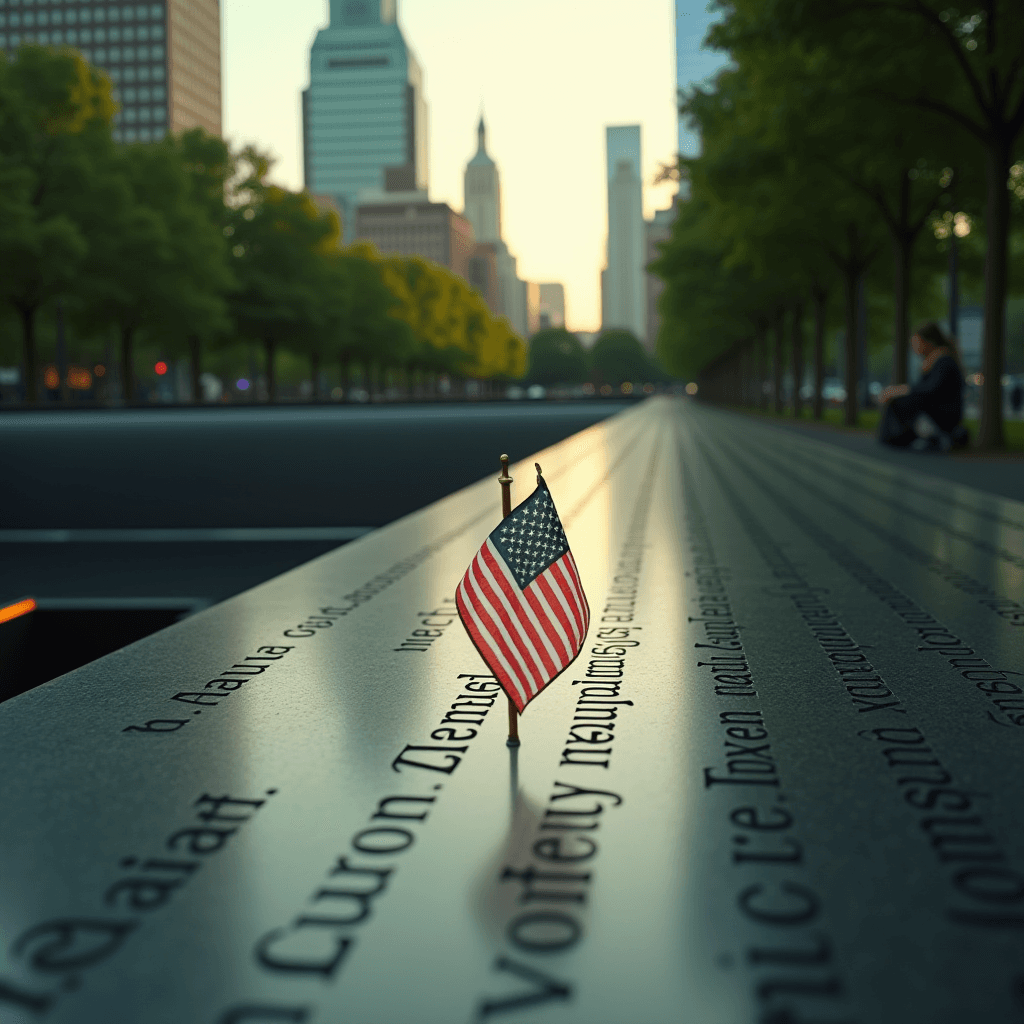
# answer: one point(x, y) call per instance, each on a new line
point(549, 76)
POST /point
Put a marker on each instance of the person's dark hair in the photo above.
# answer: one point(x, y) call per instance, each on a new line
point(933, 334)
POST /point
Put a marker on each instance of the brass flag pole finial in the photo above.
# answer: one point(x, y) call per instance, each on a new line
point(506, 510)
point(539, 477)
point(506, 493)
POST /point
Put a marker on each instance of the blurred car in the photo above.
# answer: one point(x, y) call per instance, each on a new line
point(832, 390)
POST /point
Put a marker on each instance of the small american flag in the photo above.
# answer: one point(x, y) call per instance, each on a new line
point(522, 601)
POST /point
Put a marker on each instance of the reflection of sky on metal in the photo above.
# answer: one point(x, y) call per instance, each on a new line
point(322, 726)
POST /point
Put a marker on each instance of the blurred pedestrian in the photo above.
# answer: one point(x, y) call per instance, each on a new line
point(927, 416)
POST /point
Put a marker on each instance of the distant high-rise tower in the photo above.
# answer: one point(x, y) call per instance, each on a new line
point(693, 62)
point(163, 58)
point(482, 202)
point(364, 118)
point(483, 191)
point(624, 295)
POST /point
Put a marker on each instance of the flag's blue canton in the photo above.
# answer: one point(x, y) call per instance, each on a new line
point(531, 538)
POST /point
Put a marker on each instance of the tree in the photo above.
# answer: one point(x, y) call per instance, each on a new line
point(279, 239)
point(158, 262)
point(969, 71)
point(362, 323)
point(444, 311)
point(556, 357)
point(618, 356)
point(55, 115)
point(209, 166)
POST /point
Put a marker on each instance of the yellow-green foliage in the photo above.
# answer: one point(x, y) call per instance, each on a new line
point(444, 311)
point(89, 96)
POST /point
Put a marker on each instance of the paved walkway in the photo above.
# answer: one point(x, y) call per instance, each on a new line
point(995, 474)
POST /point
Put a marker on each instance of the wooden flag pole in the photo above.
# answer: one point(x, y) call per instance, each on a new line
point(506, 510)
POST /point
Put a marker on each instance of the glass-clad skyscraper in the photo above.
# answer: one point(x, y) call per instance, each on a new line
point(623, 296)
point(364, 117)
point(163, 58)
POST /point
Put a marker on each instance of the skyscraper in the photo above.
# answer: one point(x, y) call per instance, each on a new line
point(482, 188)
point(693, 62)
point(657, 230)
point(623, 290)
point(552, 304)
point(364, 118)
point(482, 202)
point(163, 58)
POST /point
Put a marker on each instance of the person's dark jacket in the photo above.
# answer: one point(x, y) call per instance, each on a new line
point(940, 393)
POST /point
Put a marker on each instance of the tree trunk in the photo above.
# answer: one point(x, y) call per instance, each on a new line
point(777, 363)
point(62, 354)
point(760, 346)
point(314, 376)
point(798, 358)
point(28, 340)
point(820, 297)
point(128, 363)
point(851, 279)
point(903, 244)
point(997, 228)
point(269, 354)
point(344, 376)
point(195, 366)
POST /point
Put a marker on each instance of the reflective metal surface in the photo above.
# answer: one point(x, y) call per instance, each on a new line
point(782, 783)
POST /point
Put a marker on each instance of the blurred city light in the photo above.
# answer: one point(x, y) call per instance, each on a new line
point(691, 388)
point(16, 610)
point(161, 368)
point(242, 384)
point(51, 378)
point(79, 378)
point(99, 369)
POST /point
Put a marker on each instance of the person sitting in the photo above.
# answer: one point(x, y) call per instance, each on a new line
point(927, 416)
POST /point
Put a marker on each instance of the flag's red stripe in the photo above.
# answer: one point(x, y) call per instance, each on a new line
point(516, 603)
point(527, 662)
point(558, 618)
point(537, 611)
point(497, 637)
point(568, 560)
point(554, 601)
point(562, 581)
point(581, 598)
point(547, 617)
point(487, 651)
point(544, 585)
point(532, 673)
point(494, 636)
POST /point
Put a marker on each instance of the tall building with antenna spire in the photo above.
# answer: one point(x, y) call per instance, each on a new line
point(483, 191)
point(482, 208)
